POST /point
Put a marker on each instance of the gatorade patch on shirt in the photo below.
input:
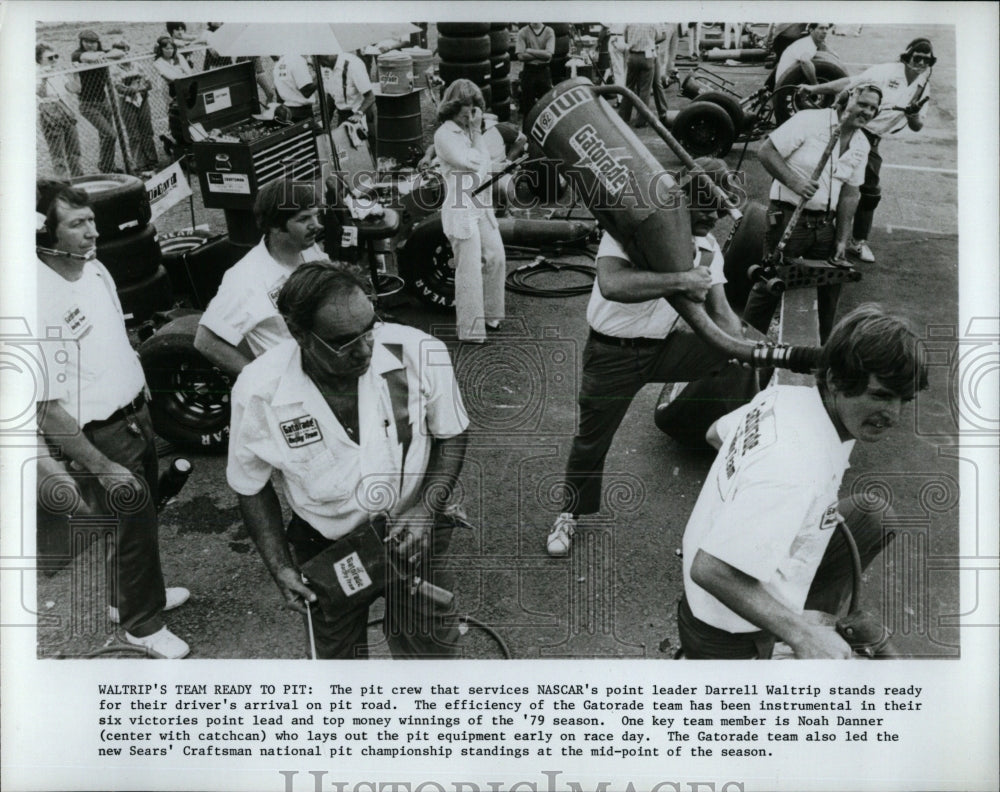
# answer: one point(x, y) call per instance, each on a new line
point(77, 322)
point(755, 432)
point(272, 293)
point(351, 574)
point(301, 431)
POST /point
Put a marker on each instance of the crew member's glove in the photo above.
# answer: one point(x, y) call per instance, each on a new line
point(915, 108)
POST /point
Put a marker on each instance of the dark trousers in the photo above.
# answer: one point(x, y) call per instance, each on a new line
point(814, 238)
point(139, 126)
point(830, 590)
point(536, 80)
point(64, 146)
point(99, 116)
point(639, 73)
point(871, 192)
point(135, 579)
point(411, 625)
point(612, 375)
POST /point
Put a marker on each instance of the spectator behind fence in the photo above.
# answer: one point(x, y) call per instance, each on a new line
point(169, 63)
point(55, 118)
point(133, 89)
point(91, 86)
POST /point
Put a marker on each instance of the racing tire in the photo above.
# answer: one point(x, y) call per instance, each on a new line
point(562, 46)
point(119, 201)
point(468, 49)
point(786, 99)
point(727, 103)
point(190, 404)
point(499, 66)
point(478, 72)
point(487, 92)
point(501, 110)
point(143, 299)
point(499, 41)
point(200, 269)
point(132, 258)
point(704, 129)
point(423, 261)
point(561, 29)
point(744, 248)
point(463, 28)
point(174, 247)
point(557, 68)
point(500, 90)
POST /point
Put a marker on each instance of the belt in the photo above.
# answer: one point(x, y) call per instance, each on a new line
point(784, 206)
point(624, 342)
point(120, 414)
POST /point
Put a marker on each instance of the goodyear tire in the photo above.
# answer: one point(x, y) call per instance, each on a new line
point(562, 46)
point(499, 41)
point(727, 103)
point(141, 300)
point(469, 49)
point(131, 258)
point(174, 247)
point(119, 201)
point(560, 28)
point(478, 72)
point(704, 129)
point(500, 90)
point(201, 265)
point(190, 405)
point(786, 100)
point(463, 28)
point(557, 68)
point(487, 92)
point(424, 262)
point(743, 248)
point(499, 66)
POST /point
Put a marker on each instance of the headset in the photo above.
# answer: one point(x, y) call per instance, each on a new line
point(912, 46)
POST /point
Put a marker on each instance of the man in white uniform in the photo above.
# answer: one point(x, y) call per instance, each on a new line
point(346, 82)
point(245, 307)
point(760, 560)
point(801, 52)
point(636, 337)
point(97, 415)
point(362, 421)
point(295, 83)
point(904, 85)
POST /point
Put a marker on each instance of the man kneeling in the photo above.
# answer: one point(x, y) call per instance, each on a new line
point(761, 562)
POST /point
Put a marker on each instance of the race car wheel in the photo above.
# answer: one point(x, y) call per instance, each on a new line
point(130, 258)
point(743, 249)
point(704, 129)
point(425, 262)
point(788, 101)
point(190, 404)
point(727, 103)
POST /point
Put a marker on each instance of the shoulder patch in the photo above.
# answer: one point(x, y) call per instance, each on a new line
point(301, 431)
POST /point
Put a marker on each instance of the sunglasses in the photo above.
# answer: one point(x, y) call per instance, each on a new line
point(921, 59)
point(341, 345)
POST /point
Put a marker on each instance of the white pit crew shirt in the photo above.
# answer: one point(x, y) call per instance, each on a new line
point(246, 305)
point(768, 505)
point(91, 369)
point(650, 318)
point(281, 423)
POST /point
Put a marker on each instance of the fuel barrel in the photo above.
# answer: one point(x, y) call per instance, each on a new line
point(399, 133)
point(626, 189)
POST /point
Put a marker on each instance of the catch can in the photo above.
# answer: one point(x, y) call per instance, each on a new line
point(624, 186)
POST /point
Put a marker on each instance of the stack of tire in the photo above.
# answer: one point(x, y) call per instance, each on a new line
point(464, 49)
point(127, 244)
point(500, 38)
point(558, 68)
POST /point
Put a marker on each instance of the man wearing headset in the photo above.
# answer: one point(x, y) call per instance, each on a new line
point(791, 154)
point(904, 85)
point(96, 414)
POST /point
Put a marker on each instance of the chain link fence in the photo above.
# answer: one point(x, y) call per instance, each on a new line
point(112, 116)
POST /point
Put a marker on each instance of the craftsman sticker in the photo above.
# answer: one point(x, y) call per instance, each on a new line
point(301, 431)
point(217, 100)
point(604, 162)
point(235, 183)
point(351, 574)
point(557, 109)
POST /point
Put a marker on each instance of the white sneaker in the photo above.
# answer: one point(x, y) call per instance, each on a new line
point(176, 596)
point(561, 538)
point(859, 248)
point(162, 644)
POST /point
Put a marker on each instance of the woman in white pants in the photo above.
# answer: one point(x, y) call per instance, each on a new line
point(467, 219)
